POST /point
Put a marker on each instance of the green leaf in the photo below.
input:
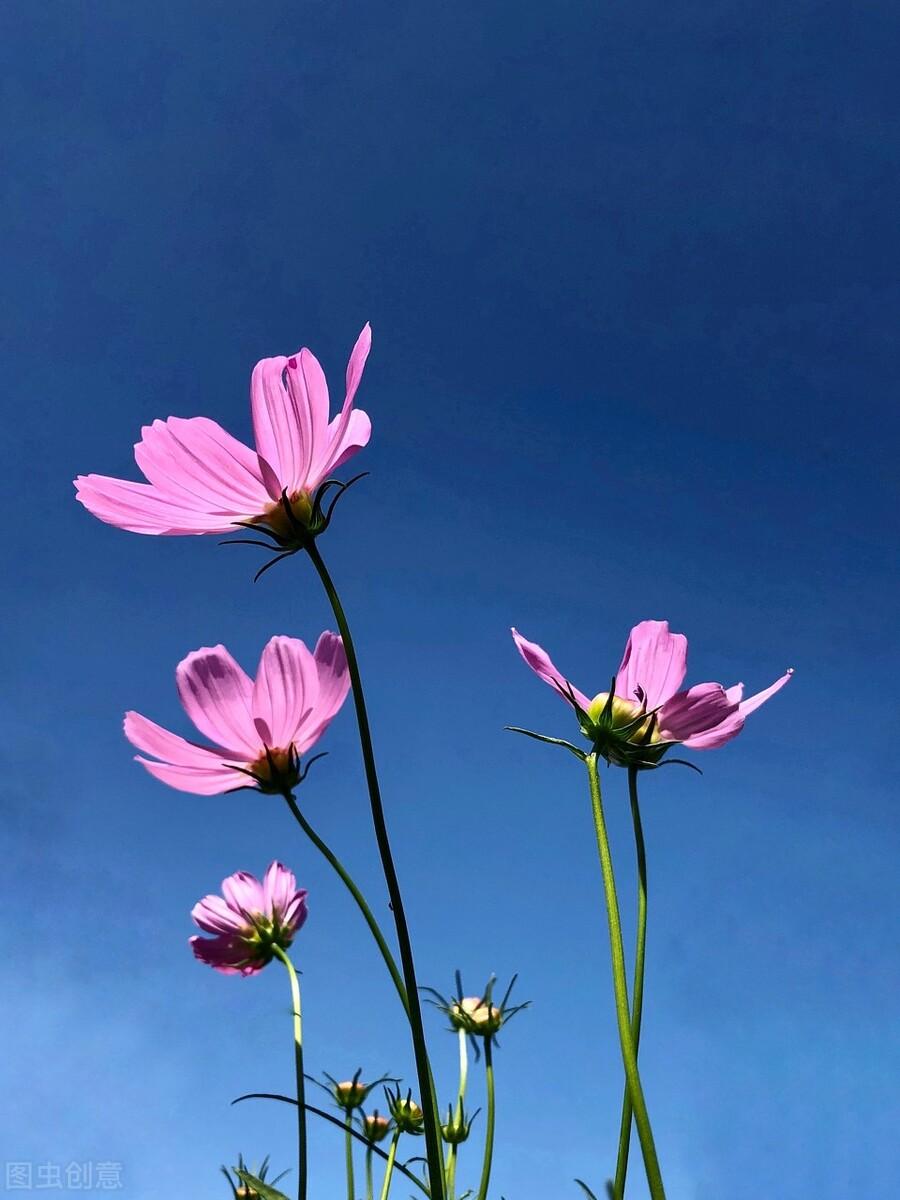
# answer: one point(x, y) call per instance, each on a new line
point(587, 1191)
point(265, 1191)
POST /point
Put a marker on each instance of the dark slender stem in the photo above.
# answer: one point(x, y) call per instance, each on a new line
point(637, 993)
point(414, 1010)
point(489, 1130)
point(620, 985)
point(354, 891)
point(298, 1062)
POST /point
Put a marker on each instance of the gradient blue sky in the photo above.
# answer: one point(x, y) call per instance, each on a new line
point(632, 274)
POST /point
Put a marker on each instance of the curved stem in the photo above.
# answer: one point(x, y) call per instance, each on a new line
point(298, 1063)
point(348, 1155)
point(389, 1169)
point(491, 1111)
point(414, 1008)
point(354, 891)
point(620, 985)
point(637, 995)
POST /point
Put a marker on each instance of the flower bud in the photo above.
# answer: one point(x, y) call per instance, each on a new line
point(456, 1129)
point(351, 1093)
point(475, 1015)
point(375, 1128)
point(408, 1117)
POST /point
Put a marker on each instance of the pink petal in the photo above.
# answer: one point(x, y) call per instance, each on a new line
point(244, 893)
point(694, 711)
point(539, 661)
point(213, 915)
point(198, 465)
point(345, 435)
point(216, 694)
point(200, 781)
point(354, 438)
point(294, 914)
point(285, 691)
point(733, 724)
point(334, 684)
point(141, 508)
point(146, 735)
point(224, 954)
point(654, 661)
point(279, 888)
point(282, 424)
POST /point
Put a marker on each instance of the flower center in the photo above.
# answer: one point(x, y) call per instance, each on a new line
point(276, 770)
point(275, 518)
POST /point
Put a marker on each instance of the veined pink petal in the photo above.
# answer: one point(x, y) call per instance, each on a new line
point(539, 660)
point(141, 508)
point(279, 886)
point(655, 661)
point(216, 695)
point(200, 781)
point(285, 691)
point(213, 915)
point(200, 466)
point(694, 711)
point(334, 684)
point(354, 438)
point(152, 739)
point(244, 893)
point(281, 425)
point(345, 435)
point(719, 734)
point(228, 955)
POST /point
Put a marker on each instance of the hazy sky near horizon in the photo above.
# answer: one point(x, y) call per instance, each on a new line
point(632, 276)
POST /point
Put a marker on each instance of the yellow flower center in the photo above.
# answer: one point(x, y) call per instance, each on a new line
point(275, 518)
point(623, 713)
point(273, 768)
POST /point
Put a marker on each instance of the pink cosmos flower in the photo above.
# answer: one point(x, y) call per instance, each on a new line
point(648, 707)
point(248, 919)
point(202, 480)
point(259, 728)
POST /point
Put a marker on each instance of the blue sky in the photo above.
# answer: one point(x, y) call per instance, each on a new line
point(631, 270)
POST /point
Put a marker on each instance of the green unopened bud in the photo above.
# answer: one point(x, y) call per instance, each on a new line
point(457, 1127)
point(408, 1117)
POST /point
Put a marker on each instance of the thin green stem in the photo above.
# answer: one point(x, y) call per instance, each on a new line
point(298, 1063)
point(414, 1009)
point(370, 1186)
point(357, 895)
point(620, 985)
point(637, 993)
point(491, 1112)
point(458, 1113)
point(389, 1169)
point(348, 1155)
point(451, 1172)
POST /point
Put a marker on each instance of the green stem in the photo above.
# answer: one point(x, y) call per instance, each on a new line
point(348, 1155)
point(620, 985)
point(451, 1172)
point(414, 1009)
point(370, 1187)
point(489, 1131)
point(357, 895)
point(458, 1115)
point(637, 996)
point(298, 1063)
point(389, 1169)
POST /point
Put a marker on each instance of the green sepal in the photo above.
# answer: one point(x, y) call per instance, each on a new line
point(551, 741)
